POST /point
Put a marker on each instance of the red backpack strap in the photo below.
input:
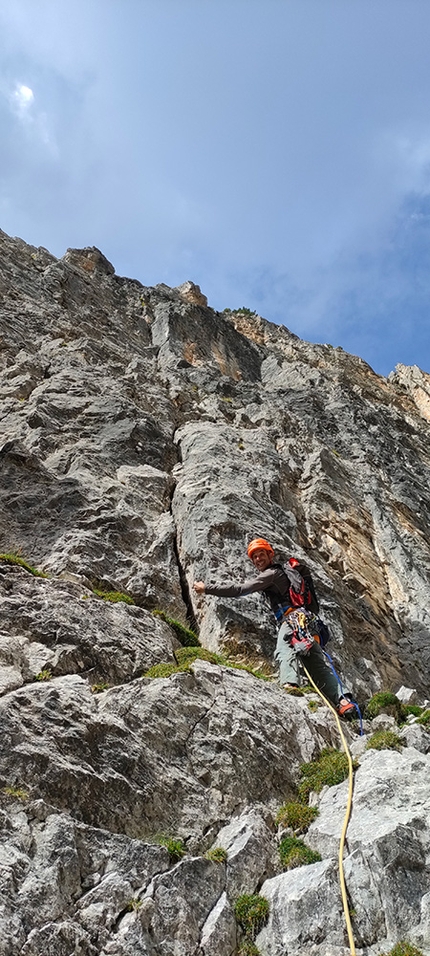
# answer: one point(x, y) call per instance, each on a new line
point(297, 585)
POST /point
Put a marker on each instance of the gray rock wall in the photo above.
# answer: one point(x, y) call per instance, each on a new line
point(145, 439)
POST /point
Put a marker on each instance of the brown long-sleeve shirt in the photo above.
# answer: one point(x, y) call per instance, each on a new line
point(273, 581)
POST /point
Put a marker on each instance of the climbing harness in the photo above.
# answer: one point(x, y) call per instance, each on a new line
point(301, 640)
point(347, 814)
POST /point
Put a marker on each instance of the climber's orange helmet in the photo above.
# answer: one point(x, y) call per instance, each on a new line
point(260, 544)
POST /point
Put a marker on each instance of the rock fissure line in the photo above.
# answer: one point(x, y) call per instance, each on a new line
point(185, 591)
point(199, 721)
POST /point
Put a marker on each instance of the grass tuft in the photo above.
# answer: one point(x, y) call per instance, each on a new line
point(252, 913)
point(98, 688)
point(404, 948)
point(185, 656)
point(297, 816)
point(294, 691)
point(185, 635)
point(22, 563)
point(385, 740)
point(379, 701)
point(294, 852)
point(18, 793)
point(134, 904)
point(217, 855)
point(425, 718)
point(165, 669)
point(45, 674)
point(174, 846)
point(115, 596)
point(330, 768)
point(248, 948)
point(413, 710)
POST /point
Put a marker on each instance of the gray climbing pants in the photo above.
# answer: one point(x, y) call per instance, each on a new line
point(315, 662)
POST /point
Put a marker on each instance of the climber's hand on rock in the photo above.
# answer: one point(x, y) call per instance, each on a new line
point(199, 587)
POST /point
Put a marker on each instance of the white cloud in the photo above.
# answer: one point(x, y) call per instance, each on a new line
point(22, 99)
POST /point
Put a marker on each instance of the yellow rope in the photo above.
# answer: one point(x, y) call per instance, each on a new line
point(347, 815)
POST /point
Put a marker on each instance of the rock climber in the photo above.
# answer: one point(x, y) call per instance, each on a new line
point(297, 634)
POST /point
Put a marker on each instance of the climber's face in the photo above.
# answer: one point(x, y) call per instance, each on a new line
point(261, 559)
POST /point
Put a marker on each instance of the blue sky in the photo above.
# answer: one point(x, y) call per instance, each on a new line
point(276, 152)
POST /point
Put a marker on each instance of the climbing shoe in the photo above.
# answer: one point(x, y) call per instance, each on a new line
point(345, 708)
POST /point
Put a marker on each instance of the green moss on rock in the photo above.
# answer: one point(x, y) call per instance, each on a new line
point(294, 852)
point(384, 740)
point(251, 912)
point(329, 769)
point(11, 558)
point(404, 948)
point(383, 701)
point(185, 635)
point(297, 816)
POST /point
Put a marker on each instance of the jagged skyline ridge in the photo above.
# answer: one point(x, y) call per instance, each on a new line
point(277, 154)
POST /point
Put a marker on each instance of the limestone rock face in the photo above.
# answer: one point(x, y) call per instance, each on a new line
point(388, 834)
point(145, 439)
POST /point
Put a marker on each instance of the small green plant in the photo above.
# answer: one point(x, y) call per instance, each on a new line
point(98, 688)
point(404, 948)
point(245, 311)
point(412, 710)
point(330, 768)
point(256, 672)
point(294, 691)
point(381, 700)
point(384, 740)
point(294, 852)
point(248, 948)
point(252, 913)
point(115, 596)
point(313, 705)
point(44, 674)
point(185, 635)
point(18, 793)
point(425, 718)
point(217, 855)
point(134, 905)
point(185, 656)
point(12, 558)
point(297, 816)
point(165, 669)
point(174, 847)
point(242, 311)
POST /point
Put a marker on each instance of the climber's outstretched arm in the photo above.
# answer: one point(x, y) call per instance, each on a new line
point(264, 580)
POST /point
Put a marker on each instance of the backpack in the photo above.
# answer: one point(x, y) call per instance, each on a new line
point(302, 590)
point(302, 594)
